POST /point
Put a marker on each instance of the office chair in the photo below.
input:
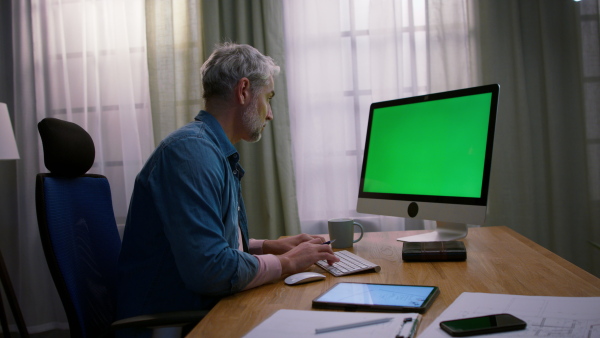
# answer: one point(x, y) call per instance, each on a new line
point(80, 237)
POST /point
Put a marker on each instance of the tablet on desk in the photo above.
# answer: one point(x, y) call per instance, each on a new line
point(377, 297)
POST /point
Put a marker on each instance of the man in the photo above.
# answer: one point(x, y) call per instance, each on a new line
point(186, 242)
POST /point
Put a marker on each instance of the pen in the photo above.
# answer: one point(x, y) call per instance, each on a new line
point(353, 325)
point(400, 333)
point(411, 330)
point(329, 242)
point(414, 328)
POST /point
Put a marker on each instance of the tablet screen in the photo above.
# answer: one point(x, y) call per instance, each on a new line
point(378, 296)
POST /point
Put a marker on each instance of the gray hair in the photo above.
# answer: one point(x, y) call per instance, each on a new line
point(231, 62)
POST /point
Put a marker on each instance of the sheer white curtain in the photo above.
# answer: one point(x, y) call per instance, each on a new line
point(341, 56)
point(82, 61)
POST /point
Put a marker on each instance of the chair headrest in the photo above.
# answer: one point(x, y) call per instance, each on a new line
point(68, 149)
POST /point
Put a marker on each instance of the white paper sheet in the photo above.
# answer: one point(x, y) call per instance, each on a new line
point(299, 323)
point(560, 317)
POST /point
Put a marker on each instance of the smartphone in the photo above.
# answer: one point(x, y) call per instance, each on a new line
point(481, 325)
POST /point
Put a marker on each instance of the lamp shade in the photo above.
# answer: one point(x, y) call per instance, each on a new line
point(8, 145)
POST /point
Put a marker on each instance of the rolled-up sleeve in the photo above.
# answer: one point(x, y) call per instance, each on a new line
point(269, 270)
point(269, 266)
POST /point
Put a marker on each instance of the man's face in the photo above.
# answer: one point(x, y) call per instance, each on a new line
point(258, 112)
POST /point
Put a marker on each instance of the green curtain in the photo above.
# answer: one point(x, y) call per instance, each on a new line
point(181, 35)
point(269, 187)
point(174, 42)
point(545, 145)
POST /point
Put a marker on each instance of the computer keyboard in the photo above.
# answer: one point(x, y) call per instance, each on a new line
point(349, 263)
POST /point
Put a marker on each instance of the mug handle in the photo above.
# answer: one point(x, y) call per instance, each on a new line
point(361, 232)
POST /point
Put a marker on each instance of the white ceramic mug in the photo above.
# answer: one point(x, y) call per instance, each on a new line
point(342, 231)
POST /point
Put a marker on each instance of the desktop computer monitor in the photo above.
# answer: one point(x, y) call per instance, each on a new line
point(429, 157)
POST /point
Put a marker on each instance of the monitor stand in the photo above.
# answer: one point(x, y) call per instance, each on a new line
point(444, 231)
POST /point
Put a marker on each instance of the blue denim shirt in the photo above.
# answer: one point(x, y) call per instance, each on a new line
point(180, 245)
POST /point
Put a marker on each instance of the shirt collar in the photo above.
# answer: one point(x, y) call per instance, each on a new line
point(224, 144)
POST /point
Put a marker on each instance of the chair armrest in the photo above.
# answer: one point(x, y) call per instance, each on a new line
point(165, 319)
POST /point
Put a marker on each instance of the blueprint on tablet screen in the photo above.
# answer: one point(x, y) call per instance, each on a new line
point(378, 294)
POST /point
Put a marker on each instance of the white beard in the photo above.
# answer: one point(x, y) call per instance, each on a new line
point(252, 122)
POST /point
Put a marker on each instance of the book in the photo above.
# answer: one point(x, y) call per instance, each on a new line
point(434, 251)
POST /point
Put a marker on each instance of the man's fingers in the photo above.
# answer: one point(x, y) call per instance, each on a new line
point(321, 237)
point(317, 240)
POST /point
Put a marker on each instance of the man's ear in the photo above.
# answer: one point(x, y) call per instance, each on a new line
point(242, 91)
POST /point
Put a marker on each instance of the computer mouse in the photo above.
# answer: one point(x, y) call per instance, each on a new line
point(303, 277)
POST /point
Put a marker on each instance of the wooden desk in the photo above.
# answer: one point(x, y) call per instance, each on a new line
point(499, 260)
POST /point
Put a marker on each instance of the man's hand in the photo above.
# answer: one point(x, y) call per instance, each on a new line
point(283, 245)
point(304, 255)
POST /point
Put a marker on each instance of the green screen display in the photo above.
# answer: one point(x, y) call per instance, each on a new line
point(434, 148)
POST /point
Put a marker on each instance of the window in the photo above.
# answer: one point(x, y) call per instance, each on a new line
point(342, 56)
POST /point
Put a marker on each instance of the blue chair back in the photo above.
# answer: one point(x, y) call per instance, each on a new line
point(79, 234)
